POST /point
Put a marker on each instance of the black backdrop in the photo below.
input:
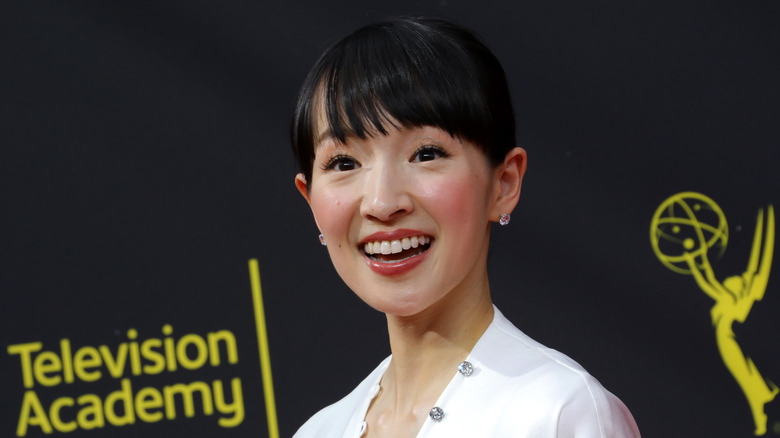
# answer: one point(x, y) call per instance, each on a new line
point(144, 159)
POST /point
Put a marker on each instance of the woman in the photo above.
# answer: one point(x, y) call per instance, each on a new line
point(404, 132)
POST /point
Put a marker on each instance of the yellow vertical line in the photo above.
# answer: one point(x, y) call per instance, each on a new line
point(265, 356)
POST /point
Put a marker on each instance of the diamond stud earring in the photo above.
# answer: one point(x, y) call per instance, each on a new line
point(504, 219)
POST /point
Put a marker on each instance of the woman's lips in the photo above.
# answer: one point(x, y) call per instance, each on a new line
point(397, 252)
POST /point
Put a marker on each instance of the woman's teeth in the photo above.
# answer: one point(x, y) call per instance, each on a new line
point(395, 246)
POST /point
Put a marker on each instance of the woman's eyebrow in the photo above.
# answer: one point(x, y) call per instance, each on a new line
point(327, 134)
point(326, 139)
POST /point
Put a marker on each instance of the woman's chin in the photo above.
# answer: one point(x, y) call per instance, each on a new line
point(400, 308)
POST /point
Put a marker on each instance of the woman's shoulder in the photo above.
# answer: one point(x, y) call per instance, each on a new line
point(336, 419)
point(513, 372)
point(506, 352)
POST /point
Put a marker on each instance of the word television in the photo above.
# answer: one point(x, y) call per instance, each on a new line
point(125, 403)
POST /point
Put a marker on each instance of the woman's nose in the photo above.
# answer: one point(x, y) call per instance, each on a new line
point(385, 195)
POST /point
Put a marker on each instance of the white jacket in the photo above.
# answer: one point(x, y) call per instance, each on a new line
point(518, 388)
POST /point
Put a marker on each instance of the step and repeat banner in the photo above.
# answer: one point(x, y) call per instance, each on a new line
point(160, 275)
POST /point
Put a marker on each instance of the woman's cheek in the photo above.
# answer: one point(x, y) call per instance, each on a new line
point(329, 211)
point(451, 198)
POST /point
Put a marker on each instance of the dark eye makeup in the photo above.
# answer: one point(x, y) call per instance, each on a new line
point(341, 163)
point(429, 153)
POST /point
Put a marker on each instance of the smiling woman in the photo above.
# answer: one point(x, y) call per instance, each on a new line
point(417, 182)
point(404, 132)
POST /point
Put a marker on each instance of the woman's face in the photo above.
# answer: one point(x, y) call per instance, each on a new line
point(406, 215)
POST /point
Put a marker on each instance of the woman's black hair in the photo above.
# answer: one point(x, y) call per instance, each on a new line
point(408, 71)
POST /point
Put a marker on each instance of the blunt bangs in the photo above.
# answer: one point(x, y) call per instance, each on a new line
point(410, 72)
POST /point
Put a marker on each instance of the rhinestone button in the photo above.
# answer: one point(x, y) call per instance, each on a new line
point(465, 368)
point(436, 414)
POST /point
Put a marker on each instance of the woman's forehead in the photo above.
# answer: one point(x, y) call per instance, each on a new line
point(333, 126)
point(324, 128)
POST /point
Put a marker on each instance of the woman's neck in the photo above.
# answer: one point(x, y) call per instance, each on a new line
point(428, 347)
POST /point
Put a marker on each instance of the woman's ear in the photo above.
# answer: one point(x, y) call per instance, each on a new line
point(300, 184)
point(508, 181)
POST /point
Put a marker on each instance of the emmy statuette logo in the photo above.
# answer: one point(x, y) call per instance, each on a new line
point(688, 227)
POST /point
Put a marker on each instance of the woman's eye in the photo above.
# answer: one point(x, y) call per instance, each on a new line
point(341, 163)
point(428, 153)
